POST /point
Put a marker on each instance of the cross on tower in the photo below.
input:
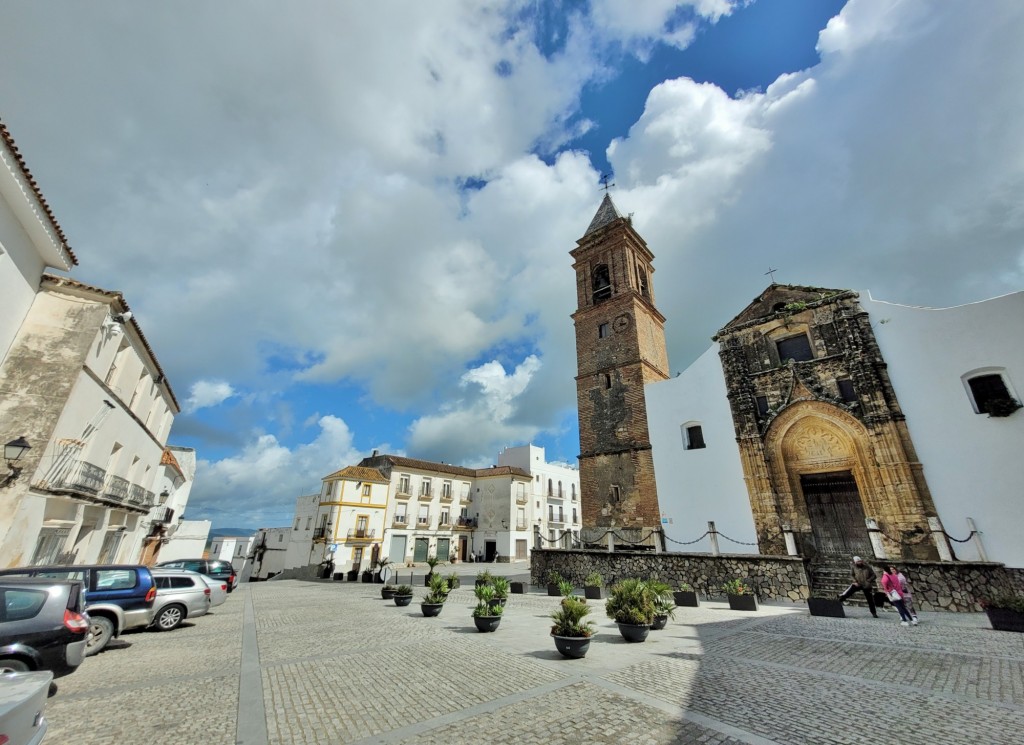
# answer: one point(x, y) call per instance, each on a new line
point(771, 273)
point(604, 182)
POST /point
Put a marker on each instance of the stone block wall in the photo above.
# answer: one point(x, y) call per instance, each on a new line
point(936, 585)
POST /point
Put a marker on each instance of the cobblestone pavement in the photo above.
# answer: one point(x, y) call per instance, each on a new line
point(320, 662)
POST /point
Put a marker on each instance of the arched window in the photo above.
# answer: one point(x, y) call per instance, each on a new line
point(602, 283)
point(989, 392)
point(550, 488)
point(641, 282)
point(560, 492)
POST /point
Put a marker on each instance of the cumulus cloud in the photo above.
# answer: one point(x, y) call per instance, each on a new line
point(206, 393)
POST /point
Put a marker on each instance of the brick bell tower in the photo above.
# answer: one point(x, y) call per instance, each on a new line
point(620, 347)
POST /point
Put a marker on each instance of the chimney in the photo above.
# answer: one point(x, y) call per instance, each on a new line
point(374, 454)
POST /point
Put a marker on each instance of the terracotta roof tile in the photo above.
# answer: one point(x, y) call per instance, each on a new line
point(360, 473)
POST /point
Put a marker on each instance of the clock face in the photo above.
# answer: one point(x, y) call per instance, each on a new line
point(621, 323)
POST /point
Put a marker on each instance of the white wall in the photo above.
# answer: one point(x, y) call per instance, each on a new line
point(974, 464)
point(695, 486)
point(188, 541)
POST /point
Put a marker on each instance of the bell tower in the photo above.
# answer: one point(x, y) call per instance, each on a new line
point(620, 347)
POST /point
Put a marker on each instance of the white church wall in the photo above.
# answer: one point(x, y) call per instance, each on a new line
point(695, 486)
point(973, 463)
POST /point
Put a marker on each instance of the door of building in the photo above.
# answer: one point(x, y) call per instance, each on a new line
point(463, 548)
point(836, 513)
point(420, 549)
point(520, 548)
point(444, 549)
point(397, 554)
point(490, 549)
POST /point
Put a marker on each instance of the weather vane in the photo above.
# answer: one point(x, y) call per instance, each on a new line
point(604, 182)
point(771, 273)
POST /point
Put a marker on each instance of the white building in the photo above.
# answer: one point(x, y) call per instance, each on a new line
point(552, 506)
point(188, 541)
point(173, 487)
point(80, 383)
point(234, 548)
point(268, 553)
point(939, 362)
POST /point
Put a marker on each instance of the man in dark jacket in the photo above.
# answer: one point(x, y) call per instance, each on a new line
point(863, 580)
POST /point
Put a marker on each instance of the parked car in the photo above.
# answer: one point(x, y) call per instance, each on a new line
point(118, 597)
point(218, 590)
point(22, 701)
point(216, 568)
point(42, 626)
point(180, 594)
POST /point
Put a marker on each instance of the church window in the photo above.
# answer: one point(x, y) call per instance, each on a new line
point(616, 493)
point(846, 391)
point(607, 381)
point(796, 348)
point(990, 394)
point(602, 331)
point(694, 437)
point(762, 406)
point(602, 283)
point(641, 282)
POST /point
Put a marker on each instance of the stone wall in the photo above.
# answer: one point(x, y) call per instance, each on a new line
point(771, 577)
point(949, 586)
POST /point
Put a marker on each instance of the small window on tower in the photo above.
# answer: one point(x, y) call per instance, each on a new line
point(694, 437)
point(602, 331)
point(762, 406)
point(846, 392)
point(616, 493)
point(602, 283)
point(641, 282)
point(607, 381)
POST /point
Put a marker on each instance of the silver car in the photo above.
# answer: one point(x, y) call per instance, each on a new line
point(22, 700)
point(218, 590)
point(179, 595)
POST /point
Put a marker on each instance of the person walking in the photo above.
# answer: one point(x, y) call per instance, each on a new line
point(864, 580)
point(908, 599)
point(893, 590)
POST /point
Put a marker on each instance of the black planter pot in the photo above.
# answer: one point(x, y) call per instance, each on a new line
point(517, 588)
point(431, 609)
point(454, 584)
point(633, 633)
point(387, 592)
point(592, 593)
point(742, 602)
point(487, 623)
point(573, 647)
point(426, 580)
point(352, 576)
point(660, 622)
point(496, 602)
point(481, 583)
point(827, 607)
point(553, 591)
point(367, 577)
point(686, 599)
point(403, 600)
point(1004, 619)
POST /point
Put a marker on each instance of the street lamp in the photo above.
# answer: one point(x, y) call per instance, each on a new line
point(12, 453)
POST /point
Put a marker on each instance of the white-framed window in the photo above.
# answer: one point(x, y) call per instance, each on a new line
point(446, 489)
point(520, 490)
point(990, 392)
point(309, 522)
point(403, 484)
point(425, 488)
point(445, 517)
point(465, 489)
point(297, 521)
point(400, 513)
point(48, 545)
point(365, 496)
point(424, 515)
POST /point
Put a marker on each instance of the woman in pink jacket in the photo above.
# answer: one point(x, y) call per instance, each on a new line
point(894, 590)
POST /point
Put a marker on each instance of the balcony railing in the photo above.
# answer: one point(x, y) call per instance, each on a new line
point(116, 489)
point(399, 521)
point(446, 497)
point(556, 518)
point(465, 523)
point(425, 496)
point(163, 515)
point(521, 525)
point(137, 495)
point(444, 522)
point(319, 534)
point(361, 533)
point(81, 477)
point(522, 499)
point(423, 520)
point(403, 493)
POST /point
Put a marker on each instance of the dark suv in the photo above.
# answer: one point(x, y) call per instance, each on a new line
point(216, 568)
point(117, 597)
point(41, 625)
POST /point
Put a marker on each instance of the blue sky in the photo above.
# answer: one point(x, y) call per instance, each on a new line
point(348, 229)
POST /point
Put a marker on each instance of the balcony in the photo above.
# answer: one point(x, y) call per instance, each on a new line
point(444, 522)
point(399, 521)
point(81, 477)
point(425, 496)
point(163, 515)
point(522, 499)
point(423, 522)
point(556, 518)
point(138, 496)
point(446, 498)
point(403, 493)
point(320, 534)
point(116, 489)
point(465, 523)
point(361, 534)
point(521, 525)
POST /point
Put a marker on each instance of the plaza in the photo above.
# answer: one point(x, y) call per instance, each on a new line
point(328, 662)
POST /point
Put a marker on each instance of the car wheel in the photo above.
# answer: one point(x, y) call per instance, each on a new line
point(12, 665)
point(101, 631)
point(169, 618)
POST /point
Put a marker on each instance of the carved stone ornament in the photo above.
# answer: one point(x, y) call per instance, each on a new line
point(817, 443)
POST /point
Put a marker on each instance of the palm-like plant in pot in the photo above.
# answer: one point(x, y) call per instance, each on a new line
point(501, 588)
point(570, 631)
point(432, 562)
point(664, 608)
point(631, 604)
point(403, 595)
point(486, 615)
point(433, 601)
point(387, 591)
point(483, 577)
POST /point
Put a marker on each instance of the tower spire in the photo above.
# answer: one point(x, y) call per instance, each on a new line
point(607, 213)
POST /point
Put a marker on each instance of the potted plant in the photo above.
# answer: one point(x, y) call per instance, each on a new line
point(453, 581)
point(1005, 611)
point(387, 592)
point(631, 604)
point(403, 595)
point(501, 587)
point(352, 575)
point(432, 562)
point(570, 631)
point(828, 606)
point(381, 565)
point(740, 595)
point(486, 616)
point(433, 601)
point(664, 608)
point(554, 579)
point(518, 588)
point(367, 575)
point(686, 597)
point(592, 586)
point(483, 578)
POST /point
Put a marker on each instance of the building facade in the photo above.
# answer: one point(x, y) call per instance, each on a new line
point(550, 506)
point(350, 518)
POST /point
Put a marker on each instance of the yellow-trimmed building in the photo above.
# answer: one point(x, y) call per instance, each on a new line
point(350, 517)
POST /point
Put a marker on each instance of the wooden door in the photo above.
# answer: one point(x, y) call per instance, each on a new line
point(836, 513)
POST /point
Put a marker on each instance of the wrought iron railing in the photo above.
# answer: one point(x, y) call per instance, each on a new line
point(163, 515)
point(466, 523)
point(116, 488)
point(359, 533)
point(319, 534)
point(84, 477)
point(136, 494)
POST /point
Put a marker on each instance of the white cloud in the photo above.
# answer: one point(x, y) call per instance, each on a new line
point(206, 393)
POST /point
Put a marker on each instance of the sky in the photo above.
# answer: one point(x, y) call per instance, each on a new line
point(346, 226)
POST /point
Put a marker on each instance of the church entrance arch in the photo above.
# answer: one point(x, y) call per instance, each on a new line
point(836, 513)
